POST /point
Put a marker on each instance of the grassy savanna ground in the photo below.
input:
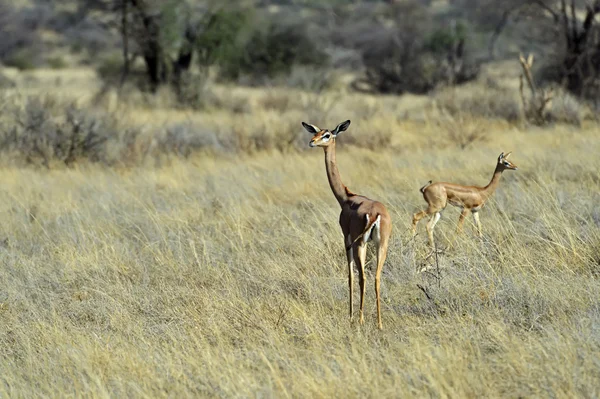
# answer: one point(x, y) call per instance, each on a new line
point(224, 275)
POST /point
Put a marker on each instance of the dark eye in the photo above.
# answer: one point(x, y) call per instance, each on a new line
point(326, 136)
point(506, 164)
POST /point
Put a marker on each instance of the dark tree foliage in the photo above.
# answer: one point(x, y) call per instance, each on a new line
point(580, 69)
point(406, 51)
point(270, 50)
point(162, 32)
point(173, 35)
point(571, 27)
point(20, 45)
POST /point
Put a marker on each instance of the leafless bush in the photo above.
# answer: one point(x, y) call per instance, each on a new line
point(5, 81)
point(34, 133)
point(549, 104)
point(227, 100)
point(378, 139)
point(235, 139)
point(461, 114)
point(45, 132)
point(361, 108)
point(566, 108)
point(276, 101)
point(479, 101)
point(183, 139)
point(193, 90)
point(461, 130)
point(491, 101)
point(317, 107)
point(309, 78)
point(42, 131)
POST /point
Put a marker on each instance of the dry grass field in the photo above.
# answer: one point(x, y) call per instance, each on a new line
point(224, 274)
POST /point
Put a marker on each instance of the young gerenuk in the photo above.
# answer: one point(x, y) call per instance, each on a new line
point(469, 198)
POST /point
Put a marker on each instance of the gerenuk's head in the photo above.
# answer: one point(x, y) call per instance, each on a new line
point(324, 137)
point(504, 163)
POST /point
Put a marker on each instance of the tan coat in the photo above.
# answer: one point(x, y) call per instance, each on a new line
point(469, 198)
point(361, 219)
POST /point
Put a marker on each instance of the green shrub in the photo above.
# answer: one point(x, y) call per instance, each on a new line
point(110, 67)
point(445, 39)
point(23, 60)
point(253, 50)
point(412, 53)
point(56, 62)
point(222, 35)
point(275, 50)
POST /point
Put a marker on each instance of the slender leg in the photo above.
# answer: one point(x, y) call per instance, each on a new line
point(350, 257)
point(461, 220)
point(381, 254)
point(431, 224)
point(477, 223)
point(416, 217)
point(360, 259)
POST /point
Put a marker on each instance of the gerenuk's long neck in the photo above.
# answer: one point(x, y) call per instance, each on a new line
point(333, 175)
point(493, 185)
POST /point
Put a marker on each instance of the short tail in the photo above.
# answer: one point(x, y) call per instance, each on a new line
point(422, 189)
point(368, 227)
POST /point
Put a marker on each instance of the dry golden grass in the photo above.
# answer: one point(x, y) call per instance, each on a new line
point(225, 276)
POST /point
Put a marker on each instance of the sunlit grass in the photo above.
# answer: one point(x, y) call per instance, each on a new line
point(225, 275)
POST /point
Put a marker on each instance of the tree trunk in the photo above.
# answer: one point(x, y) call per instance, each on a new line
point(125, 37)
point(184, 58)
point(577, 66)
point(152, 50)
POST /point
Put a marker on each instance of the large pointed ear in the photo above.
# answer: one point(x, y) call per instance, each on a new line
point(341, 127)
point(312, 129)
point(501, 157)
point(507, 155)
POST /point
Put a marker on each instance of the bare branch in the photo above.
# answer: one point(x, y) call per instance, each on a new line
point(589, 19)
point(535, 108)
point(547, 8)
point(526, 65)
point(523, 99)
point(565, 19)
point(125, 38)
point(574, 33)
